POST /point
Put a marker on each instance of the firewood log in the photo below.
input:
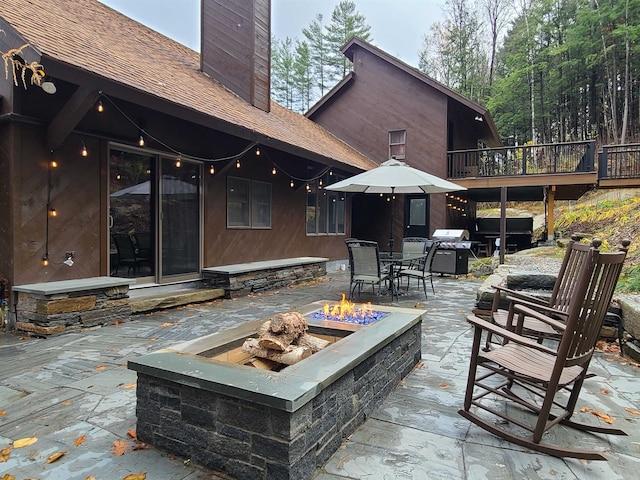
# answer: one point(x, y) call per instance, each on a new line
point(282, 331)
point(314, 343)
point(292, 354)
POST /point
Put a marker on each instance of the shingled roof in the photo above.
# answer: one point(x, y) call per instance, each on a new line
point(88, 35)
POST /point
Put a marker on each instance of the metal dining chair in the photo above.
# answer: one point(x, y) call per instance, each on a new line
point(364, 264)
point(420, 269)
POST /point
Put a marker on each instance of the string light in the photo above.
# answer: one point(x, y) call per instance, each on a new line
point(212, 169)
point(141, 140)
point(53, 212)
point(100, 106)
point(273, 170)
point(292, 183)
point(179, 161)
point(54, 164)
point(238, 163)
point(84, 152)
point(257, 151)
point(45, 260)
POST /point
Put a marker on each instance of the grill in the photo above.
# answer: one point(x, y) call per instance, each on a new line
point(452, 256)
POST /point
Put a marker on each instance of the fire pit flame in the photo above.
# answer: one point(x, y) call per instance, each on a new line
point(346, 311)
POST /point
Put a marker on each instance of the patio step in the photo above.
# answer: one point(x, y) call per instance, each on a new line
point(179, 297)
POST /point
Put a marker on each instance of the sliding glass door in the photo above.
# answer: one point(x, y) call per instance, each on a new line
point(154, 216)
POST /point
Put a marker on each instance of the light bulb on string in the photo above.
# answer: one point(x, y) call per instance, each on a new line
point(141, 141)
point(273, 170)
point(179, 161)
point(53, 212)
point(100, 106)
point(212, 169)
point(84, 152)
point(238, 163)
point(257, 151)
point(45, 260)
point(54, 164)
point(291, 183)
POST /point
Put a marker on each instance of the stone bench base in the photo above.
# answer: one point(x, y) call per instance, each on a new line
point(245, 278)
point(70, 305)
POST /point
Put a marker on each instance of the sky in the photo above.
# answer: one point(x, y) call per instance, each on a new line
point(397, 26)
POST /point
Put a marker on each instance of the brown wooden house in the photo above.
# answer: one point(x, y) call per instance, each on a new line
point(144, 139)
point(386, 108)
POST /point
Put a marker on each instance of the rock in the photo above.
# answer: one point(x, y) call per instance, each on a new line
point(630, 306)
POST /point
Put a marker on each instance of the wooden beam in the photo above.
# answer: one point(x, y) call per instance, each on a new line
point(69, 115)
point(551, 197)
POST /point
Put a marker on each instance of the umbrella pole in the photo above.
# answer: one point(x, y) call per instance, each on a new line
point(391, 230)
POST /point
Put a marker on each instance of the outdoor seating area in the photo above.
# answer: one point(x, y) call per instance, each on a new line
point(386, 271)
point(415, 432)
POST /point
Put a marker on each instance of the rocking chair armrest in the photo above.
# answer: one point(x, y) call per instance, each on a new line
point(544, 309)
point(519, 295)
point(508, 334)
point(538, 315)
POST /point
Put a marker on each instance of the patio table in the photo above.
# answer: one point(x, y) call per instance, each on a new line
point(398, 259)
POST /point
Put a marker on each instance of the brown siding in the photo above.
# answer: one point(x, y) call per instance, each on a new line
point(383, 98)
point(235, 47)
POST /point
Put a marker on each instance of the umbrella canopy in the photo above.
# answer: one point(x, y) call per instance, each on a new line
point(394, 176)
point(170, 186)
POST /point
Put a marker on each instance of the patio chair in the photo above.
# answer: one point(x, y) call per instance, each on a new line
point(420, 269)
point(532, 387)
point(126, 254)
point(364, 264)
point(563, 290)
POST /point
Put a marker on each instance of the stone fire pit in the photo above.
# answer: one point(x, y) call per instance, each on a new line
point(195, 401)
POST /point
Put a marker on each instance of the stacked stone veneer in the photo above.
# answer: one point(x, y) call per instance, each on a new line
point(263, 277)
point(249, 440)
point(50, 313)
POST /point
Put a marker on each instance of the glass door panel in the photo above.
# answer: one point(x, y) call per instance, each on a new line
point(180, 217)
point(131, 214)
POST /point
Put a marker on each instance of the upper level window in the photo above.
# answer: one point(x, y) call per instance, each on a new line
point(248, 203)
point(397, 144)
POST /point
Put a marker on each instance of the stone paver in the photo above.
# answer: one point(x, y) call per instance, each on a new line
point(69, 386)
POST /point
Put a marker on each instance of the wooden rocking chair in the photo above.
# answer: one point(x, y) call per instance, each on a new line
point(545, 381)
point(563, 290)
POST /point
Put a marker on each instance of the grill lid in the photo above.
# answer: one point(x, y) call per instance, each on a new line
point(450, 235)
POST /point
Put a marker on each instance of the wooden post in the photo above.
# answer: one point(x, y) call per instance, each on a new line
point(503, 222)
point(551, 195)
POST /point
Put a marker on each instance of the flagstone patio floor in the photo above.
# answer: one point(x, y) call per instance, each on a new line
point(74, 393)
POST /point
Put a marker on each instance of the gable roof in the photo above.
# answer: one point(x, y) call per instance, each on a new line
point(93, 38)
point(349, 49)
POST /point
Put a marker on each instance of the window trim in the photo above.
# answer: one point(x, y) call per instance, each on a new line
point(395, 144)
point(250, 205)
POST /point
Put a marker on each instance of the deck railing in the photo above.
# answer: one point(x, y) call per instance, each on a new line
point(523, 160)
point(619, 161)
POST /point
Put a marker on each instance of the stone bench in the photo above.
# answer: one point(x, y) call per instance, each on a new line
point(244, 278)
point(70, 305)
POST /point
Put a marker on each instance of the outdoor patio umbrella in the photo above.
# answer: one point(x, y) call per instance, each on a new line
point(394, 176)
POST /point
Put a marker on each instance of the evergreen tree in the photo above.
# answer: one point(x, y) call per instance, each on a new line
point(346, 23)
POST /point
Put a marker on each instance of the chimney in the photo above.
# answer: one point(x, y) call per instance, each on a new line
point(236, 47)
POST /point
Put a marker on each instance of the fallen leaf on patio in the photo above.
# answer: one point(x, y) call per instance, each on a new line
point(90, 477)
point(132, 434)
point(632, 411)
point(603, 416)
point(67, 403)
point(130, 385)
point(2, 413)
point(118, 322)
point(444, 385)
point(167, 324)
point(24, 442)
point(5, 453)
point(120, 447)
point(609, 359)
point(55, 456)
point(101, 367)
point(136, 476)
point(80, 440)
point(8, 476)
point(604, 391)
point(140, 446)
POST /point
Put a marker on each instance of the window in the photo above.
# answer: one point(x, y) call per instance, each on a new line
point(325, 210)
point(248, 203)
point(397, 144)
